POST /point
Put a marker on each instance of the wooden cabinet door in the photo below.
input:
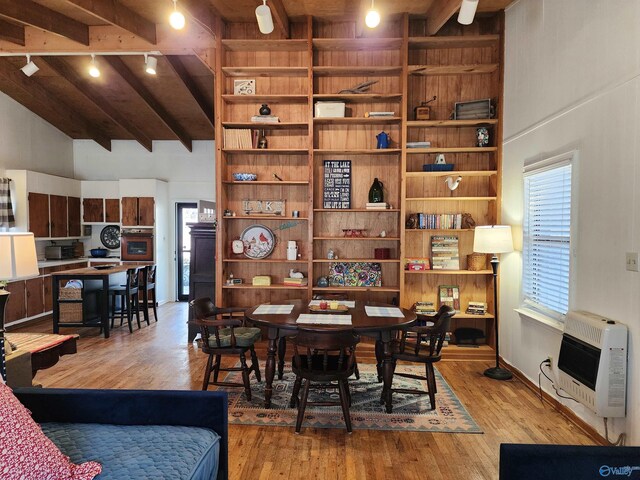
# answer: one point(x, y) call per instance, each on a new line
point(93, 210)
point(73, 214)
point(58, 216)
point(35, 296)
point(16, 305)
point(47, 287)
point(129, 211)
point(39, 214)
point(111, 210)
point(146, 215)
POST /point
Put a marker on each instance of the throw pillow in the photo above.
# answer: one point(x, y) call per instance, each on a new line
point(26, 453)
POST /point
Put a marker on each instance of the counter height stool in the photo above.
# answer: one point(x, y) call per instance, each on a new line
point(129, 303)
point(148, 284)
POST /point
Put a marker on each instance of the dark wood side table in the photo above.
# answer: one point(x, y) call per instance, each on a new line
point(202, 267)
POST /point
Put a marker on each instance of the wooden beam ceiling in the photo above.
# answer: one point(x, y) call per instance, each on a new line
point(90, 93)
point(439, 13)
point(280, 16)
point(52, 109)
point(205, 106)
point(114, 13)
point(35, 15)
point(11, 32)
point(203, 13)
point(143, 92)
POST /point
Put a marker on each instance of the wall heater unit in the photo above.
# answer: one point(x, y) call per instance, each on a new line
point(592, 364)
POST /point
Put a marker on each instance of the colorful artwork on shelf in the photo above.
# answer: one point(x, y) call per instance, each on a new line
point(355, 274)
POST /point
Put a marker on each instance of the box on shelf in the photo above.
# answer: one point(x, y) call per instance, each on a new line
point(329, 109)
point(417, 264)
point(262, 280)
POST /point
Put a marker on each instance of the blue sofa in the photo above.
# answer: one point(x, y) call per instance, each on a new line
point(137, 433)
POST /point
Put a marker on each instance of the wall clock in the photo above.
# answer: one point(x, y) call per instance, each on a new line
point(110, 236)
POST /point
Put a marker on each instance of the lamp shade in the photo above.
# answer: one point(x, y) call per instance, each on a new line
point(18, 257)
point(493, 239)
point(263, 15)
point(467, 11)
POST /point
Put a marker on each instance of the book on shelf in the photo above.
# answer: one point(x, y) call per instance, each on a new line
point(444, 252)
point(265, 119)
point(449, 295)
point(238, 138)
point(439, 221)
point(377, 206)
point(477, 308)
point(379, 114)
point(424, 144)
point(296, 282)
point(425, 308)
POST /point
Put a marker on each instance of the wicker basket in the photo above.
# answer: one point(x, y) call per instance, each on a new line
point(70, 312)
point(476, 261)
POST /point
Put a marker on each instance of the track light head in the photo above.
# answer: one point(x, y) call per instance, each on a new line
point(372, 20)
point(94, 71)
point(151, 64)
point(467, 11)
point(176, 19)
point(30, 68)
point(265, 20)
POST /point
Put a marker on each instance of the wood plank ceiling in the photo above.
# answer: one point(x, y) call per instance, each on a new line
point(125, 103)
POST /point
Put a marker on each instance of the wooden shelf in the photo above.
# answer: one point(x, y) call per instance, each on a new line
point(356, 120)
point(468, 316)
point(360, 239)
point(258, 99)
point(342, 44)
point(265, 71)
point(419, 151)
point(359, 210)
point(448, 272)
point(356, 289)
point(466, 41)
point(354, 260)
point(273, 286)
point(450, 199)
point(359, 97)
point(462, 173)
point(357, 71)
point(267, 182)
point(473, 69)
point(436, 230)
point(354, 151)
point(451, 123)
point(264, 218)
point(267, 126)
point(265, 45)
point(266, 151)
point(264, 260)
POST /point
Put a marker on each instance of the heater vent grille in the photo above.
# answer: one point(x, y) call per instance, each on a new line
point(586, 327)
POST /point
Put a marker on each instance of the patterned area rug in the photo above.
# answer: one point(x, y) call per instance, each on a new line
point(410, 412)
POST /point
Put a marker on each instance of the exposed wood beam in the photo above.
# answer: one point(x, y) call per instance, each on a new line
point(35, 15)
point(202, 14)
point(143, 92)
point(113, 12)
point(11, 32)
point(58, 112)
point(208, 59)
point(89, 92)
point(280, 16)
point(201, 100)
point(439, 13)
point(113, 39)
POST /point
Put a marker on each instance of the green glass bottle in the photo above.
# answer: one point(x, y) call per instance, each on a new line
point(375, 192)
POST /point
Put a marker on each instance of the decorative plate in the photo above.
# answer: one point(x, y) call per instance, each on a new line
point(110, 236)
point(258, 241)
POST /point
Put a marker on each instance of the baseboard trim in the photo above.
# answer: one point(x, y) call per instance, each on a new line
point(566, 412)
point(29, 321)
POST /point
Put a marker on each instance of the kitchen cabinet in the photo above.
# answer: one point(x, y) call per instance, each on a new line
point(34, 290)
point(16, 305)
point(93, 209)
point(138, 211)
point(58, 215)
point(54, 216)
point(39, 214)
point(202, 267)
point(73, 216)
point(111, 210)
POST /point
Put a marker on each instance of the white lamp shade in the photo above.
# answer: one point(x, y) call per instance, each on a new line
point(30, 68)
point(467, 11)
point(18, 257)
point(493, 239)
point(151, 65)
point(265, 20)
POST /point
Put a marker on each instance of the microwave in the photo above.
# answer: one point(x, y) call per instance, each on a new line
point(59, 252)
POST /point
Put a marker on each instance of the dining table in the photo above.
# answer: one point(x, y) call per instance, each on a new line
point(373, 320)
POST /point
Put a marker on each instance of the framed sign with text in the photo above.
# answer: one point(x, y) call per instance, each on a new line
point(336, 187)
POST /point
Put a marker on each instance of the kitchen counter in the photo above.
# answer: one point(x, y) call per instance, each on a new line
point(67, 261)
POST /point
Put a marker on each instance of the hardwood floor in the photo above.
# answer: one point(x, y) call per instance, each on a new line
point(157, 357)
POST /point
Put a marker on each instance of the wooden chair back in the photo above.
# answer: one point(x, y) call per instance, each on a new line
point(212, 319)
point(324, 352)
point(427, 341)
point(133, 282)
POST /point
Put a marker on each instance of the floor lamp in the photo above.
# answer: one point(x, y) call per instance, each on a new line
point(494, 239)
point(17, 260)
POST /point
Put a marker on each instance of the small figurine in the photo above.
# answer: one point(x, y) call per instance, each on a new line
point(467, 221)
point(293, 273)
point(331, 255)
point(383, 233)
point(412, 221)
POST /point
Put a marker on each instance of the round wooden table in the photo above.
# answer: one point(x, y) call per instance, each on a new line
point(380, 328)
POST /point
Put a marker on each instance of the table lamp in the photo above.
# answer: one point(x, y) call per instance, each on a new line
point(494, 239)
point(17, 260)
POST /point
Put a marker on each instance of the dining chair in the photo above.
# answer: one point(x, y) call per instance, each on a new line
point(323, 357)
point(148, 289)
point(128, 294)
point(222, 333)
point(423, 344)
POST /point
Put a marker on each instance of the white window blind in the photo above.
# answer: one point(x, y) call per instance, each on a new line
point(547, 236)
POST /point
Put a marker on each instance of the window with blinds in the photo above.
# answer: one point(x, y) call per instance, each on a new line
point(547, 235)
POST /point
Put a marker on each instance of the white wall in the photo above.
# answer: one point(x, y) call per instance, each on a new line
point(572, 81)
point(27, 142)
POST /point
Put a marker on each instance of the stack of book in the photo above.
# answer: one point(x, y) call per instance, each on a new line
point(477, 308)
point(296, 282)
point(265, 119)
point(444, 252)
point(378, 114)
point(425, 308)
point(418, 144)
point(449, 221)
point(238, 138)
point(377, 206)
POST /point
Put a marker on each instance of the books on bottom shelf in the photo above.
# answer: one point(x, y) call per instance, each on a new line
point(377, 206)
point(449, 295)
point(296, 282)
point(477, 308)
point(444, 252)
point(265, 119)
point(425, 308)
point(435, 221)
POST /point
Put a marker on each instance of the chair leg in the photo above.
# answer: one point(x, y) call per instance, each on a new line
point(296, 392)
point(302, 405)
point(135, 309)
point(255, 365)
point(125, 302)
point(344, 402)
point(431, 384)
point(155, 304)
point(145, 306)
point(245, 376)
point(112, 313)
point(207, 372)
point(216, 370)
point(356, 370)
point(282, 351)
point(379, 354)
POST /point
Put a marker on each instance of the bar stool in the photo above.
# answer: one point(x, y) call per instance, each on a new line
point(148, 284)
point(128, 295)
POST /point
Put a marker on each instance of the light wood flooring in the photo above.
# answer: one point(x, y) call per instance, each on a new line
point(158, 357)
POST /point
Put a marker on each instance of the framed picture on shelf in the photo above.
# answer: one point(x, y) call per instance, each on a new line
point(336, 186)
point(449, 295)
point(244, 87)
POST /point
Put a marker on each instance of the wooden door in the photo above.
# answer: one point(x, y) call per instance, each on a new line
point(129, 211)
point(58, 216)
point(73, 214)
point(47, 287)
point(111, 210)
point(146, 215)
point(93, 210)
point(39, 214)
point(16, 305)
point(35, 296)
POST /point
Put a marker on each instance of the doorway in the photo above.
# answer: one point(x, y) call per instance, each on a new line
point(185, 213)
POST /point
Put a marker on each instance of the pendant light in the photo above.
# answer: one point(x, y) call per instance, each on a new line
point(30, 68)
point(265, 20)
point(151, 64)
point(176, 19)
point(94, 71)
point(372, 20)
point(467, 11)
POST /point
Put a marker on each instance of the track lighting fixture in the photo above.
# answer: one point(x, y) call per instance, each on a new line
point(151, 64)
point(372, 19)
point(176, 19)
point(94, 71)
point(265, 20)
point(467, 11)
point(30, 68)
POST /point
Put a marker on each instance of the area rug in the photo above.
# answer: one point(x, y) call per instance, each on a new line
point(410, 412)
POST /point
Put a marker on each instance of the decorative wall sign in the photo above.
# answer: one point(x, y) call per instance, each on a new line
point(244, 87)
point(263, 207)
point(336, 189)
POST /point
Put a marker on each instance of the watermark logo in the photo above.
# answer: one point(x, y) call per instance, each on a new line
point(625, 471)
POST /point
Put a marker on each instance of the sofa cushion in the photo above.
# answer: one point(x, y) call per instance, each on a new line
point(140, 451)
point(25, 452)
point(245, 337)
